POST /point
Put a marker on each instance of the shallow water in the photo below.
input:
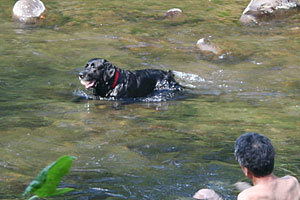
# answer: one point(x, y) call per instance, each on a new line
point(145, 150)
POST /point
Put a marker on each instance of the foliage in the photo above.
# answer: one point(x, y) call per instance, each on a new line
point(46, 182)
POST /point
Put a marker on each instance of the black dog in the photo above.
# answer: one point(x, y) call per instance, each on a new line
point(111, 82)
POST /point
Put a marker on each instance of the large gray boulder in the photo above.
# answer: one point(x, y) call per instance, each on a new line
point(28, 11)
point(257, 9)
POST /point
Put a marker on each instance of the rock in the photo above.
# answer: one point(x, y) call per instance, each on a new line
point(242, 186)
point(207, 47)
point(260, 8)
point(174, 12)
point(207, 194)
point(28, 11)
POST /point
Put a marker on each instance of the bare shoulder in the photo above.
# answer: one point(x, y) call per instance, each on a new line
point(246, 194)
point(288, 177)
point(242, 196)
point(290, 180)
point(253, 193)
point(291, 187)
point(286, 187)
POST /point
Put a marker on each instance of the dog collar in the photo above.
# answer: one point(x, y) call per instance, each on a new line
point(116, 79)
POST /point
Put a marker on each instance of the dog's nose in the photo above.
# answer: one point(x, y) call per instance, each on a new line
point(81, 75)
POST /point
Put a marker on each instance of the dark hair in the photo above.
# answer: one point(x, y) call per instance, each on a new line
point(255, 152)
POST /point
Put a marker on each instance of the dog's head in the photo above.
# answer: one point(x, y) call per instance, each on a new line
point(97, 72)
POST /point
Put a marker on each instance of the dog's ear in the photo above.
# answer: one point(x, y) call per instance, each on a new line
point(109, 71)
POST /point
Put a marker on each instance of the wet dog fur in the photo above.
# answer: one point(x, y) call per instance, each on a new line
point(109, 81)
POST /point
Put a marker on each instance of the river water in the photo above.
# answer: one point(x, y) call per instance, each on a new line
point(151, 149)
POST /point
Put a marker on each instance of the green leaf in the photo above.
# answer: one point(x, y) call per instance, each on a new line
point(33, 197)
point(49, 178)
point(60, 191)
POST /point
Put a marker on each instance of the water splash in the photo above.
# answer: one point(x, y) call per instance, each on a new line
point(158, 95)
point(189, 80)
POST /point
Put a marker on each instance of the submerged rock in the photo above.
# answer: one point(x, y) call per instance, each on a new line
point(207, 194)
point(174, 12)
point(28, 11)
point(257, 9)
point(241, 186)
point(208, 47)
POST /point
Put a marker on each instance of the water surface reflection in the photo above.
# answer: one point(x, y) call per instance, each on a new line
point(145, 150)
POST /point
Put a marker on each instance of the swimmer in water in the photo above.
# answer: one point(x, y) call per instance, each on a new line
point(255, 154)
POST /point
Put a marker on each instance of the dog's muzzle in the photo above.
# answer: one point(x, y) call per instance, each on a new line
point(87, 84)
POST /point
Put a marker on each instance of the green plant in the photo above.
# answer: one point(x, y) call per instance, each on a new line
point(46, 182)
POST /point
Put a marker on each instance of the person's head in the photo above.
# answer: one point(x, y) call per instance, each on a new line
point(255, 152)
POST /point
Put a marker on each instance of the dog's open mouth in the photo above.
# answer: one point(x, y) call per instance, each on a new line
point(88, 84)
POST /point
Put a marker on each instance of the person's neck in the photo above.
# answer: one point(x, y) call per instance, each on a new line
point(263, 180)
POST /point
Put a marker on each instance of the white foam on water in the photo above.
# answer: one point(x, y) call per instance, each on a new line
point(189, 80)
point(189, 77)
